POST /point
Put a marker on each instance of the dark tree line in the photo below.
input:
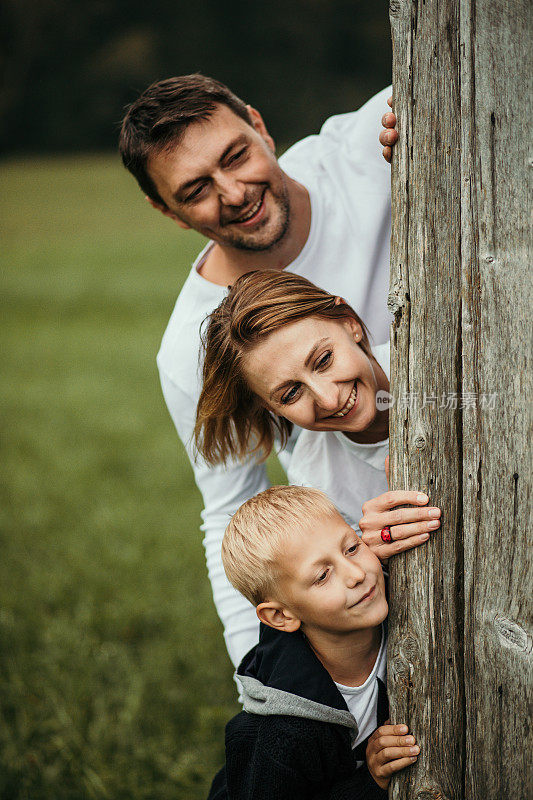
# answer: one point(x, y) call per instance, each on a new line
point(68, 69)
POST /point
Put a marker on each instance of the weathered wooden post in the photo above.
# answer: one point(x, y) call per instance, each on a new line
point(460, 648)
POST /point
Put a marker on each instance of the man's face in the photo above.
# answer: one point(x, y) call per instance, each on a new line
point(331, 581)
point(222, 179)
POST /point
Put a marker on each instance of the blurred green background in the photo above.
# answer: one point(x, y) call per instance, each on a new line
point(114, 679)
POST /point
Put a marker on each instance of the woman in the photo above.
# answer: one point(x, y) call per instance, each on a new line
point(281, 352)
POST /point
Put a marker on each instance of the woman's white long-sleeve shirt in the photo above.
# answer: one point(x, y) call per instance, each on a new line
point(347, 253)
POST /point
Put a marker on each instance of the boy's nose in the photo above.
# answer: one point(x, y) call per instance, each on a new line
point(354, 574)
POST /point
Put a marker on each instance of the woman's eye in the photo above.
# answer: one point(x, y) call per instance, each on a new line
point(291, 395)
point(324, 361)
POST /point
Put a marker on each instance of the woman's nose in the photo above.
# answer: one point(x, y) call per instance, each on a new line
point(326, 396)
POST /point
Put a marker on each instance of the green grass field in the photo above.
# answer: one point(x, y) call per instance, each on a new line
point(115, 682)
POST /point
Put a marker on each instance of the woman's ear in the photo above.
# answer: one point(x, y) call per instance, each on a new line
point(355, 328)
point(278, 617)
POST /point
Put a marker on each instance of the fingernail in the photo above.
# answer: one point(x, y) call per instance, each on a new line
point(422, 498)
point(413, 758)
point(424, 536)
point(415, 749)
point(409, 740)
point(434, 512)
point(434, 523)
point(403, 728)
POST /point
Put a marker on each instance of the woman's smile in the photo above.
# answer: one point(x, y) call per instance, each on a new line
point(350, 403)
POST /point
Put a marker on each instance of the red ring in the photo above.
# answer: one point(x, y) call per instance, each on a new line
point(386, 535)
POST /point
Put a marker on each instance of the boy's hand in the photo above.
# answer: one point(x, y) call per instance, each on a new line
point(388, 751)
point(409, 527)
point(389, 136)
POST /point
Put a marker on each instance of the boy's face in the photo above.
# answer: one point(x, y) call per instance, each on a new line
point(331, 581)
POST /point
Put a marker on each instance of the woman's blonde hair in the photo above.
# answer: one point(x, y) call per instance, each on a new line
point(231, 421)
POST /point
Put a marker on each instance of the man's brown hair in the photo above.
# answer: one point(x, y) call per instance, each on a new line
point(159, 117)
point(231, 421)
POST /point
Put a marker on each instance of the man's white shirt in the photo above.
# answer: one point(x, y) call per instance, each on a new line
point(346, 253)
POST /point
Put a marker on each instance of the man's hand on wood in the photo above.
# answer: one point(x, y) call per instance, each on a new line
point(389, 136)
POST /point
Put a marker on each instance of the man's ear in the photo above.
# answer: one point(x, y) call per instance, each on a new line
point(168, 213)
point(260, 127)
point(278, 617)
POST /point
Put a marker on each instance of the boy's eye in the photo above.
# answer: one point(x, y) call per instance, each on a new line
point(322, 577)
point(291, 395)
point(353, 548)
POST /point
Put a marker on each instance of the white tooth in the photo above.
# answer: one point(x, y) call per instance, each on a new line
point(349, 404)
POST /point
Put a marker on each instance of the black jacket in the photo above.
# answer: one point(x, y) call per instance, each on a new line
point(294, 739)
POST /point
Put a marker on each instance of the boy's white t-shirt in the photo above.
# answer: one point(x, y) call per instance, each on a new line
point(348, 472)
point(362, 701)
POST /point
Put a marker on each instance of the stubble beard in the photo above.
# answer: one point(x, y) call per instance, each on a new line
point(255, 245)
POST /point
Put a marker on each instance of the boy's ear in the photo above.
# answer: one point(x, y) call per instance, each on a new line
point(276, 616)
point(165, 210)
point(260, 127)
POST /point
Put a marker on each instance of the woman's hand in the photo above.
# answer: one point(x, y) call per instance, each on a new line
point(388, 751)
point(389, 136)
point(409, 527)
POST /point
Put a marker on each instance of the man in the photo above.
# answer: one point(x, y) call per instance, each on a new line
point(207, 161)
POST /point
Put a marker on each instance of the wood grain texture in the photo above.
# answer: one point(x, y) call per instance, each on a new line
point(460, 632)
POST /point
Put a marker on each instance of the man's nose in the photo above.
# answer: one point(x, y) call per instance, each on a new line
point(230, 191)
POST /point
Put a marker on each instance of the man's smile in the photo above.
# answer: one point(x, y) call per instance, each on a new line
point(252, 215)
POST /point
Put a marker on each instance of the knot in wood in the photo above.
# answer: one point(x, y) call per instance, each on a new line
point(512, 635)
point(489, 259)
point(394, 8)
point(419, 441)
point(394, 302)
point(399, 669)
point(430, 794)
point(408, 648)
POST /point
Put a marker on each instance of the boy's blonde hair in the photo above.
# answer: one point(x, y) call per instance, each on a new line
point(252, 547)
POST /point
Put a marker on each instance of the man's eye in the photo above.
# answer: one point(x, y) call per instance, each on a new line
point(291, 395)
point(196, 193)
point(237, 156)
point(325, 360)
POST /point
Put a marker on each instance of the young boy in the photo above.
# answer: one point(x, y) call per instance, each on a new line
point(314, 686)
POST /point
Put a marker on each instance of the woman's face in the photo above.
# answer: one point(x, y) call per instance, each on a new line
point(314, 373)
